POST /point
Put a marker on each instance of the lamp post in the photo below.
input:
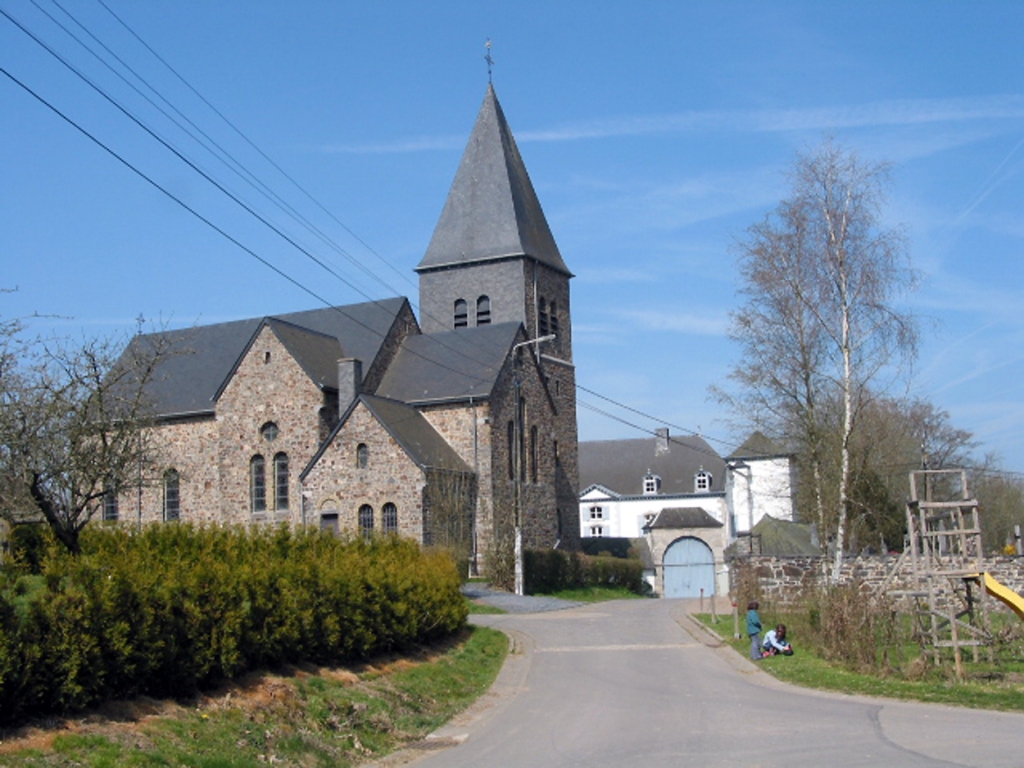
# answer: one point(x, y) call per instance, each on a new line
point(517, 461)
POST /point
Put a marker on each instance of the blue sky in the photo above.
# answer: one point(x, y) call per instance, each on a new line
point(655, 134)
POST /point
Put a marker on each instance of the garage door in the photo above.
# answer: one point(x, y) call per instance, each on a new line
point(689, 567)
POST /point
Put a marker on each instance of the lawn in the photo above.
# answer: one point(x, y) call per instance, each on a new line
point(309, 717)
point(998, 685)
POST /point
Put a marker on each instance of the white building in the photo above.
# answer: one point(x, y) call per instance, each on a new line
point(684, 500)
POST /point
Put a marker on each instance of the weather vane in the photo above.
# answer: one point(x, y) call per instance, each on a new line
point(489, 60)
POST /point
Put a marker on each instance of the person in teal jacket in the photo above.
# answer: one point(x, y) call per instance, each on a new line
point(754, 630)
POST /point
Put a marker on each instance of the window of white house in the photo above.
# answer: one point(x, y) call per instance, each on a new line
point(702, 481)
point(649, 518)
point(172, 495)
point(652, 483)
point(596, 513)
point(596, 531)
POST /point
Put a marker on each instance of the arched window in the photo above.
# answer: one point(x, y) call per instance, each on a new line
point(533, 454)
point(542, 310)
point(110, 506)
point(258, 483)
point(483, 311)
point(554, 318)
point(366, 521)
point(389, 521)
point(172, 495)
point(281, 481)
point(269, 431)
point(461, 313)
point(362, 456)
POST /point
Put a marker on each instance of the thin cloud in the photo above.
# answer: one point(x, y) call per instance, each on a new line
point(675, 322)
point(880, 113)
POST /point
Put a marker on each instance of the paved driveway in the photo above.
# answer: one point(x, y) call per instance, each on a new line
point(636, 683)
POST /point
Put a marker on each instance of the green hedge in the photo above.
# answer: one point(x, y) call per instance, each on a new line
point(175, 608)
point(551, 570)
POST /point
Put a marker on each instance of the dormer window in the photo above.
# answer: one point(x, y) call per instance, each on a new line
point(702, 481)
point(652, 484)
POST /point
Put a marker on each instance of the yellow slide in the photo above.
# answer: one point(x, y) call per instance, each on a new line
point(1003, 593)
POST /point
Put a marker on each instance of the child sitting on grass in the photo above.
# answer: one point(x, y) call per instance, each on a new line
point(775, 642)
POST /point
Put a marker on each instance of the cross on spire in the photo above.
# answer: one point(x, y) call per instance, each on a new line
point(489, 60)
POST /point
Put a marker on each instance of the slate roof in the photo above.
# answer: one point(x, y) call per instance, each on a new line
point(415, 434)
point(423, 444)
point(201, 359)
point(449, 366)
point(492, 211)
point(756, 446)
point(684, 517)
point(620, 465)
point(779, 538)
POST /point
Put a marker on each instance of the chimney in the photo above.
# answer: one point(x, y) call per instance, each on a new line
point(661, 441)
point(350, 381)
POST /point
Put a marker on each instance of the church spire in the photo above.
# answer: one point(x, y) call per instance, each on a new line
point(492, 211)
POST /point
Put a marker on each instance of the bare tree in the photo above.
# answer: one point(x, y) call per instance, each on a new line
point(72, 423)
point(820, 331)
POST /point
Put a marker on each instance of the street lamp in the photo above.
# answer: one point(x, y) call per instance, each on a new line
point(517, 448)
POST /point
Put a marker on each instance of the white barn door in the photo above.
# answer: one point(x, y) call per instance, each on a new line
point(689, 567)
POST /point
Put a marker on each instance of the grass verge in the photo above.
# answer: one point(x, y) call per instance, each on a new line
point(988, 687)
point(307, 717)
point(595, 594)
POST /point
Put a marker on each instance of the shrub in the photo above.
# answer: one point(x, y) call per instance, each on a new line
point(174, 608)
point(552, 570)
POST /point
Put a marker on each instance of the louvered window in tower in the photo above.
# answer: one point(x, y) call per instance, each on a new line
point(483, 311)
point(542, 322)
point(461, 313)
point(554, 318)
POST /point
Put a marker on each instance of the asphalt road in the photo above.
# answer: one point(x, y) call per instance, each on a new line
point(636, 682)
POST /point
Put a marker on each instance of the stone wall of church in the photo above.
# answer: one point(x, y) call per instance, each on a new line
point(467, 428)
point(500, 281)
point(268, 386)
point(540, 282)
point(539, 502)
point(338, 485)
point(188, 448)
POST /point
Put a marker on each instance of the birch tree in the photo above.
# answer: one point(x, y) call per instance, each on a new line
point(820, 330)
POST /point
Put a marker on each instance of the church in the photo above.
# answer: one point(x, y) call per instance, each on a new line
point(452, 428)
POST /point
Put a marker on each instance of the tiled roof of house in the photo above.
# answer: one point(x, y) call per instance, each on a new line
point(492, 211)
point(454, 365)
point(200, 359)
point(620, 465)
